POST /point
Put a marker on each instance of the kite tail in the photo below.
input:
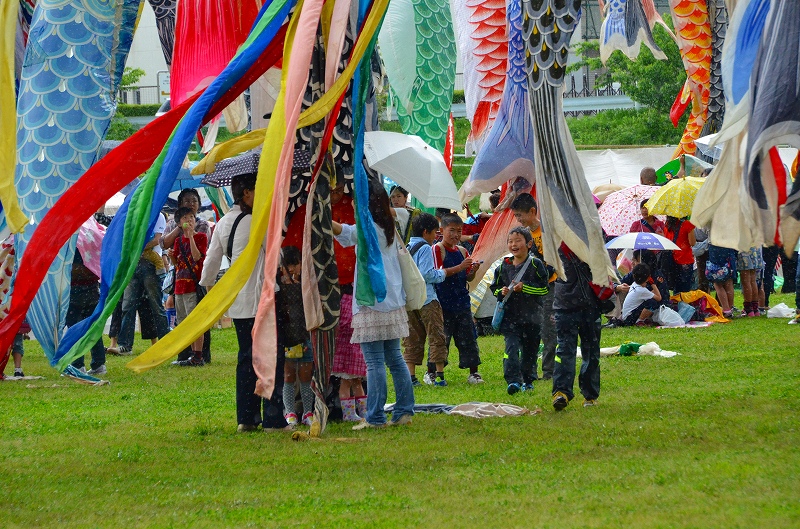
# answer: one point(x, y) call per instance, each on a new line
point(624, 28)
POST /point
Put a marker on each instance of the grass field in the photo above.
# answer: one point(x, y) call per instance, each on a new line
point(706, 439)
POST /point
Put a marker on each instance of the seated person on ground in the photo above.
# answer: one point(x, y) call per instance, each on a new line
point(642, 298)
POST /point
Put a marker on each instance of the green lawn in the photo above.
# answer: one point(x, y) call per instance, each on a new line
point(707, 439)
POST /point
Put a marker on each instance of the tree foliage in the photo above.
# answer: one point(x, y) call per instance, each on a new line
point(130, 76)
point(647, 80)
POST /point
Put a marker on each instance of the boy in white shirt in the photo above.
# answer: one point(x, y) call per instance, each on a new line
point(642, 298)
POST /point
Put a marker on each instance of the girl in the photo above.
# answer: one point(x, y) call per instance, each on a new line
point(749, 264)
point(378, 328)
point(299, 358)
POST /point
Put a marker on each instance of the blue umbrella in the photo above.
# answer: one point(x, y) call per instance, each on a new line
point(642, 241)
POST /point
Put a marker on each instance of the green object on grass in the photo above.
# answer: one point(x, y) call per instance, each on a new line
point(629, 348)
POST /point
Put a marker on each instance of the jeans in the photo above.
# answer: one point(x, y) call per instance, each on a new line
point(797, 286)
point(548, 335)
point(387, 352)
point(83, 301)
point(144, 283)
point(522, 348)
point(570, 325)
point(770, 254)
point(248, 404)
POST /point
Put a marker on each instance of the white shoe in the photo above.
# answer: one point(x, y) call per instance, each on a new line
point(99, 371)
point(475, 378)
point(364, 424)
point(429, 378)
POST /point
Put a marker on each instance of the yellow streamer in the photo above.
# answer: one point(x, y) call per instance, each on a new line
point(222, 296)
point(8, 119)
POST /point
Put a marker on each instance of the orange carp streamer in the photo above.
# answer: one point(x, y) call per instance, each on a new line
point(693, 31)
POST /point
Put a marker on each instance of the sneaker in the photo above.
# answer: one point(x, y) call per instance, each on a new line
point(308, 418)
point(527, 387)
point(475, 378)
point(99, 371)
point(191, 362)
point(415, 382)
point(795, 320)
point(440, 382)
point(120, 350)
point(291, 420)
point(364, 424)
point(589, 402)
point(429, 379)
point(402, 420)
point(19, 373)
point(560, 401)
point(513, 388)
point(242, 428)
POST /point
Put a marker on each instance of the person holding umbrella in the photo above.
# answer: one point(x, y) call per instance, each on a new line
point(679, 264)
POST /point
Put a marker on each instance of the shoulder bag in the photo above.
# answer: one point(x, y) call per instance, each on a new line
point(500, 308)
point(413, 282)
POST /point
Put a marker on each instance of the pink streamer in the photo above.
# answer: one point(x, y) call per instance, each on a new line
point(265, 347)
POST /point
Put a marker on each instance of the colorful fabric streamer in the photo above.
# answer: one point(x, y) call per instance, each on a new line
point(483, 42)
point(693, 30)
point(508, 150)
point(137, 217)
point(14, 216)
point(67, 97)
point(565, 201)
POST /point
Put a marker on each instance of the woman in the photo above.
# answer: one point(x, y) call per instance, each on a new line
point(680, 273)
point(378, 328)
point(720, 271)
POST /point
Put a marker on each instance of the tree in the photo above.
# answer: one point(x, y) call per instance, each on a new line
point(130, 76)
point(647, 80)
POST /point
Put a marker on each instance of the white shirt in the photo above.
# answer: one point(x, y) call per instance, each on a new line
point(161, 225)
point(246, 303)
point(636, 296)
point(395, 295)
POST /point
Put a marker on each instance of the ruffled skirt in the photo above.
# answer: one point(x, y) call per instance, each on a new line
point(374, 326)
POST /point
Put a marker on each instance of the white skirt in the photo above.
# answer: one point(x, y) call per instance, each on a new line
point(374, 326)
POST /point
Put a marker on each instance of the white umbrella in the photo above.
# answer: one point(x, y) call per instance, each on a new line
point(414, 165)
point(714, 152)
point(642, 241)
point(114, 203)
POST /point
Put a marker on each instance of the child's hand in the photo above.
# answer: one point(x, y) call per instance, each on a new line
point(504, 291)
point(518, 287)
point(467, 263)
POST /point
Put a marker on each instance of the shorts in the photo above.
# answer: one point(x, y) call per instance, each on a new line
point(750, 260)
point(721, 264)
point(184, 304)
point(308, 355)
point(18, 347)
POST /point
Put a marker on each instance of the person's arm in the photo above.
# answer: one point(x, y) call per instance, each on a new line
point(692, 237)
point(438, 261)
point(535, 283)
point(345, 234)
point(498, 287)
point(169, 238)
point(152, 243)
point(196, 255)
point(654, 290)
point(424, 261)
point(472, 267)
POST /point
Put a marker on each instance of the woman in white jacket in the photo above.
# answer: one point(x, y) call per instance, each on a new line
point(379, 327)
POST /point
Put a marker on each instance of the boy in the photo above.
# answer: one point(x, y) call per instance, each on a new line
point(427, 321)
point(188, 253)
point(523, 309)
point(453, 295)
point(527, 213)
point(642, 298)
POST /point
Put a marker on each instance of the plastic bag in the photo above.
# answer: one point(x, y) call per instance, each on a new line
point(685, 311)
point(667, 317)
point(781, 310)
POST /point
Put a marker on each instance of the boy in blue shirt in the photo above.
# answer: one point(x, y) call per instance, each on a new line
point(426, 322)
point(453, 295)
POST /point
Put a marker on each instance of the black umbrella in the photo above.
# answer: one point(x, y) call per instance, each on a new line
point(248, 163)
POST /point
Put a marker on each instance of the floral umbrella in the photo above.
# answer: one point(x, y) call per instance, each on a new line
point(622, 208)
point(676, 197)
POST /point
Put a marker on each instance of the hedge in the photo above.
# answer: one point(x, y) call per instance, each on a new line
point(130, 111)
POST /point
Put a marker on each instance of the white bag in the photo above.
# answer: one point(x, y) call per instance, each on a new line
point(413, 282)
point(667, 317)
point(781, 310)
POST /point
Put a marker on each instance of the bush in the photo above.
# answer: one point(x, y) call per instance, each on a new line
point(131, 111)
point(121, 129)
point(458, 96)
point(626, 127)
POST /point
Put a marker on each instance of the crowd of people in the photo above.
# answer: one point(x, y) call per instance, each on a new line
point(534, 306)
